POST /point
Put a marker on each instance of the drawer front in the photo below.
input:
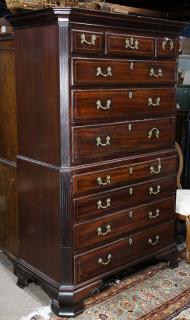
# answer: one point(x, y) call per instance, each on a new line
point(95, 206)
point(122, 224)
point(167, 47)
point(130, 45)
point(102, 104)
point(110, 257)
point(106, 140)
point(118, 72)
point(121, 175)
point(87, 41)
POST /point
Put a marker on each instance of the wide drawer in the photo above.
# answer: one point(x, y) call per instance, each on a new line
point(167, 47)
point(124, 137)
point(123, 174)
point(112, 256)
point(87, 41)
point(130, 45)
point(102, 104)
point(95, 206)
point(101, 71)
point(117, 225)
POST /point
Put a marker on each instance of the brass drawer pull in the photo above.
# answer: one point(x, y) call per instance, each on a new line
point(151, 104)
point(152, 216)
point(152, 131)
point(158, 74)
point(101, 206)
point(101, 183)
point(91, 42)
point(156, 171)
point(100, 233)
point(153, 243)
point(131, 43)
point(130, 241)
point(100, 73)
point(100, 260)
point(106, 107)
point(169, 41)
point(151, 190)
point(99, 142)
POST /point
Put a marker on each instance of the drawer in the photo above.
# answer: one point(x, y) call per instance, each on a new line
point(117, 225)
point(167, 47)
point(87, 41)
point(107, 258)
point(111, 139)
point(111, 104)
point(130, 45)
point(121, 175)
point(100, 204)
point(101, 71)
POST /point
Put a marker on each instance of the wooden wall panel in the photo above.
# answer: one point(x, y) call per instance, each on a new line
point(8, 208)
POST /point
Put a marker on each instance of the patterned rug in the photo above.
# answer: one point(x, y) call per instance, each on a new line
point(156, 293)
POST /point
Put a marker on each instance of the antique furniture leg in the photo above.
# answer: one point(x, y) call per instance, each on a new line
point(187, 238)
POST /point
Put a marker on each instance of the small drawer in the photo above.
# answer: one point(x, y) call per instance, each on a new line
point(99, 105)
point(101, 71)
point(87, 41)
point(121, 224)
point(121, 175)
point(167, 47)
point(130, 45)
point(111, 139)
point(107, 258)
point(96, 206)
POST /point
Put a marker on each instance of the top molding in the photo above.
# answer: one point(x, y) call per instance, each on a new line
point(97, 17)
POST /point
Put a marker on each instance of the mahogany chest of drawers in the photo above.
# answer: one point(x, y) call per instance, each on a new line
point(96, 159)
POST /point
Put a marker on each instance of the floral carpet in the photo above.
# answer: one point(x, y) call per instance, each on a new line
point(156, 293)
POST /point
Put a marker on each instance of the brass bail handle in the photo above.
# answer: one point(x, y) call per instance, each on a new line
point(101, 233)
point(101, 261)
point(154, 104)
point(91, 42)
point(100, 181)
point(107, 106)
point(154, 216)
point(169, 41)
point(101, 206)
point(102, 144)
point(157, 73)
point(152, 242)
point(108, 72)
point(152, 132)
point(154, 169)
point(156, 191)
point(131, 43)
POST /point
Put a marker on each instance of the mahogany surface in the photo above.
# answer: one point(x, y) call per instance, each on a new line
point(8, 148)
point(125, 103)
point(123, 72)
point(96, 180)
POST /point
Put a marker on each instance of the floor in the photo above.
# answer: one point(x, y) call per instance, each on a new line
point(26, 300)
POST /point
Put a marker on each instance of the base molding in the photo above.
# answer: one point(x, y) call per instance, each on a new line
point(67, 300)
